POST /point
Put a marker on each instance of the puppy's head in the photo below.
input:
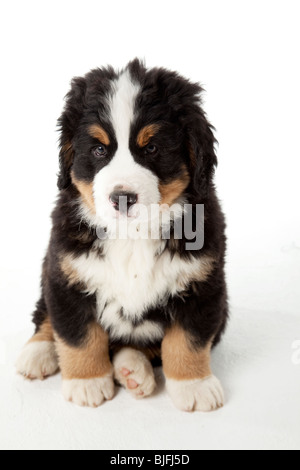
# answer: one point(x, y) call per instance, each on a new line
point(132, 138)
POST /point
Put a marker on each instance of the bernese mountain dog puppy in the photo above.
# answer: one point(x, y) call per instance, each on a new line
point(120, 288)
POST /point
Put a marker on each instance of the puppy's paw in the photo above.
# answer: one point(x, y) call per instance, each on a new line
point(37, 360)
point(196, 395)
point(89, 392)
point(134, 371)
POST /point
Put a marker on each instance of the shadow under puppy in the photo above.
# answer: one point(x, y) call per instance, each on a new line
point(110, 304)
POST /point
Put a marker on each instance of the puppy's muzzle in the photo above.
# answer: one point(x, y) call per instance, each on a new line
point(123, 200)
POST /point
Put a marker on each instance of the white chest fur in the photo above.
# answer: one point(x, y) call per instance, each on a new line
point(132, 277)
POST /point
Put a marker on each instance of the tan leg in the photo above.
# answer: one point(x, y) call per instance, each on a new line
point(86, 370)
point(38, 358)
point(189, 379)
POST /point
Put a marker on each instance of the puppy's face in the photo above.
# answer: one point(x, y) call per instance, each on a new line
point(129, 141)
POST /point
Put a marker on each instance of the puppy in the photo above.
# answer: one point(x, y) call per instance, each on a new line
point(124, 280)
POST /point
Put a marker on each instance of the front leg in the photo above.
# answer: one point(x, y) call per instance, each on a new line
point(86, 369)
point(82, 345)
point(189, 379)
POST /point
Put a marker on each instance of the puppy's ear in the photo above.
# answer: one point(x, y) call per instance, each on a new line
point(68, 124)
point(203, 160)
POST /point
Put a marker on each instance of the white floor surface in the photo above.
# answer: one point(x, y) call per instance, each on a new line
point(258, 363)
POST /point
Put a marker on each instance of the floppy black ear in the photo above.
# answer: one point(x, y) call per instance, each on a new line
point(203, 160)
point(68, 123)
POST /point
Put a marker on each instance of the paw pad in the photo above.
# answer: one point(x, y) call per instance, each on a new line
point(135, 372)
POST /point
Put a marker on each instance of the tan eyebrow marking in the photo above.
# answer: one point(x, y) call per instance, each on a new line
point(99, 133)
point(146, 133)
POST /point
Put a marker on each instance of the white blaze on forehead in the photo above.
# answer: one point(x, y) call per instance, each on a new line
point(122, 104)
point(123, 169)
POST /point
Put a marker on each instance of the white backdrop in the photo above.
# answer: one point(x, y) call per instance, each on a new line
point(246, 55)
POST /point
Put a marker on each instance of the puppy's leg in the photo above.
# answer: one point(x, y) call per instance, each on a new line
point(189, 379)
point(133, 370)
point(38, 358)
point(86, 369)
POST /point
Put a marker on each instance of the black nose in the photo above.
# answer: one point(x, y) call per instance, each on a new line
point(122, 201)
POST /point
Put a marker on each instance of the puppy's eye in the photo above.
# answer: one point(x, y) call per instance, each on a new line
point(100, 151)
point(151, 149)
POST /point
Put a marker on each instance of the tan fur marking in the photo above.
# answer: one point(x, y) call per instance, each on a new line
point(67, 152)
point(181, 360)
point(146, 134)
point(68, 270)
point(45, 332)
point(87, 192)
point(200, 274)
point(172, 191)
point(89, 361)
point(99, 133)
point(207, 264)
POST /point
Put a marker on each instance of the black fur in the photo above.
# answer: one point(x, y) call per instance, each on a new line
point(185, 139)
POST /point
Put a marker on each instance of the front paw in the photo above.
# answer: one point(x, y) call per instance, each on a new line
point(196, 395)
point(37, 360)
point(89, 392)
point(134, 371)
